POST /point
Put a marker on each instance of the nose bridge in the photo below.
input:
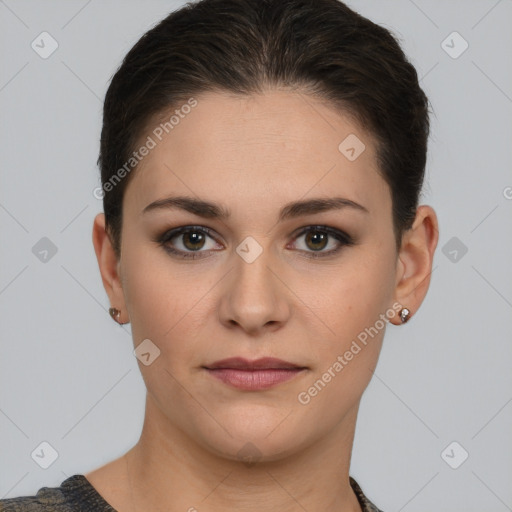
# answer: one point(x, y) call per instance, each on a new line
point(254, 297)
point(252, 277)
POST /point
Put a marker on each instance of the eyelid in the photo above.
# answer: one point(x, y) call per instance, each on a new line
point(171, 233)
point(320, 227)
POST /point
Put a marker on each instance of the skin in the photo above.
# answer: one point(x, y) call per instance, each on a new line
point(253, 155)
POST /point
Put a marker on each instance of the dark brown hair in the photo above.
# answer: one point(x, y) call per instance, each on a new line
point(319, 47)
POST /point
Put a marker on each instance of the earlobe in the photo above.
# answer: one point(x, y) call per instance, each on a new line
point(108, 265)
point(415, 261)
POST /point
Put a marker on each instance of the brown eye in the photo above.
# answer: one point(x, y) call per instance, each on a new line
point(317, 240)
point(193, 240)
point(312, 241)
point(189, 242)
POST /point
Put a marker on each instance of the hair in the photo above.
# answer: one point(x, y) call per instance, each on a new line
point(244, 47)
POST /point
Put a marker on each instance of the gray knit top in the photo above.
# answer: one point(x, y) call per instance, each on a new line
point(76, 494)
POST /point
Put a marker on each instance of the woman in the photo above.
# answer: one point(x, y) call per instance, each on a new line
point(261, 165)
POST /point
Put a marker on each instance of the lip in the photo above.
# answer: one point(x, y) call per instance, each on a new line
point(254, 375)
point(264, 363)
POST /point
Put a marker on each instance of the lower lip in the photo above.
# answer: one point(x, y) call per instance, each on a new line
point(254, 380)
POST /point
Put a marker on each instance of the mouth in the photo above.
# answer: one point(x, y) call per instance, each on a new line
point(255, 375)
point(265, 363)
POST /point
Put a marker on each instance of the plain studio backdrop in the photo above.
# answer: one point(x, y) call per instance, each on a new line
point(434, 425)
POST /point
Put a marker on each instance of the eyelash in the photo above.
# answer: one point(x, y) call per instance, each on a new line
point(343, 238)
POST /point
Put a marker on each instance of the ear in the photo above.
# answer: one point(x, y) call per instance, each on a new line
point(415, 257)
point(109, 266)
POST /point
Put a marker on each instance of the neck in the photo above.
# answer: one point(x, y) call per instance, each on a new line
point(167, 470)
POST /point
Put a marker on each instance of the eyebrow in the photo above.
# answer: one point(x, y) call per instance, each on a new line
point(210, 210)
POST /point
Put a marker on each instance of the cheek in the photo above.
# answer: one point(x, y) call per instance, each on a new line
point(348, 348)
point(165, 304)
point(352, 307)
point(150, 293)
point(350, 296)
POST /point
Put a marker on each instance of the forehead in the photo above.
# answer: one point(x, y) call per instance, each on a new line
point(275, 146)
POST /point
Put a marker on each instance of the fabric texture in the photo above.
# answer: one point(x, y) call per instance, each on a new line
point(76, 494)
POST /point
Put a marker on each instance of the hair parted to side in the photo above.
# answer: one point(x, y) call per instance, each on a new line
point(318, 47)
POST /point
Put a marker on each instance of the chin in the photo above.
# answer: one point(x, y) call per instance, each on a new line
point(251, 451)
point(256, 436)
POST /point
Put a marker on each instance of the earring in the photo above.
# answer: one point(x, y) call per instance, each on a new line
point(115, 314)
point(404, 315)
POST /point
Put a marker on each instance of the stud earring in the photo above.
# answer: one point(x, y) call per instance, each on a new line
point(404, 315)
point(115, 314)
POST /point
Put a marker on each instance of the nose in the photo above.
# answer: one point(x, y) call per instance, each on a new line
point(254, 298)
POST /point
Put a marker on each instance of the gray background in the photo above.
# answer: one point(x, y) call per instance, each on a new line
point(68, 375)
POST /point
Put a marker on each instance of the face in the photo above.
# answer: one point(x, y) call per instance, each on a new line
point(283, 274)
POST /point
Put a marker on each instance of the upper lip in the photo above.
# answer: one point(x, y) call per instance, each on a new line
point(239, 363)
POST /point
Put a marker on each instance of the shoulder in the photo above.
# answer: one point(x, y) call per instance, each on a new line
point(366, 504)
point(74, 494)
point(46, 498)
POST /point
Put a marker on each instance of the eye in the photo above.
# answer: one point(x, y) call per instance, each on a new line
point(196, 242)
point(318, 238)
point(188, 241)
